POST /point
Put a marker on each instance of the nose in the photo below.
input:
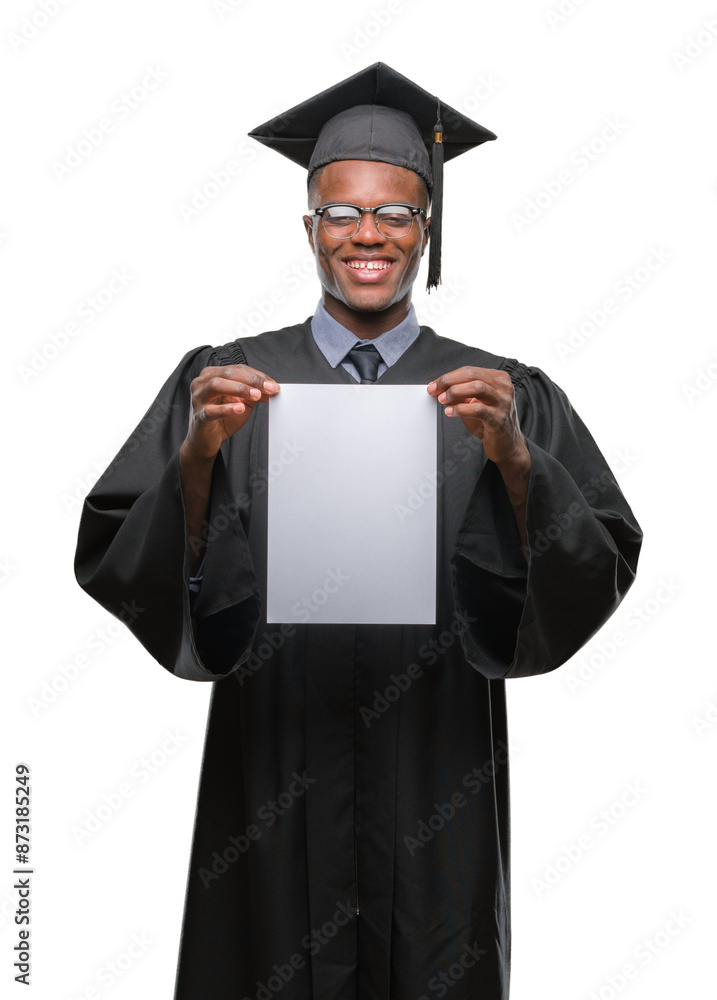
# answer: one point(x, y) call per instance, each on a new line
point(368, 234)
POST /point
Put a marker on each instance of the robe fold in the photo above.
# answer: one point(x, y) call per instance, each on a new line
point(352, 834)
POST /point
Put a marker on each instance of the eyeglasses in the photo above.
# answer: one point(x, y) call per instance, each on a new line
point(344, 221)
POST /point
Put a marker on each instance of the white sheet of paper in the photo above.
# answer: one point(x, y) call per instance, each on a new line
point(352, 505)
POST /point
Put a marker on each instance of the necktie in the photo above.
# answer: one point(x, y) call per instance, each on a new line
point(367, 359)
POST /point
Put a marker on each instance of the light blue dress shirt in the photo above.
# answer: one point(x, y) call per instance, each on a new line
point(335, 341)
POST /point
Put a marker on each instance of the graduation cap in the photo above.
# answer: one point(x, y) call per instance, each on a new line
point(378, 114)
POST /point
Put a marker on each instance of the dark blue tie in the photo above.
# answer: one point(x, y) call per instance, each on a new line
point(367, 359)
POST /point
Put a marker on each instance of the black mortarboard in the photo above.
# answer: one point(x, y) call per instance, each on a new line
point(378, 114)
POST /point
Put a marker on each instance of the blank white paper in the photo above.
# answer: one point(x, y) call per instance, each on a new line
point(352, 505)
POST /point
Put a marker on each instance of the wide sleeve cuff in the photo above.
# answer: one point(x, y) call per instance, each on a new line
point(133, 548)
point(532, 617)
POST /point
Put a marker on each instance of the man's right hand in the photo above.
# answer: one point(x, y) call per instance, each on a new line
point(222, 401)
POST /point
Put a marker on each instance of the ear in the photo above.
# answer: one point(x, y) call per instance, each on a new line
point(426, 235)
point(309, 227)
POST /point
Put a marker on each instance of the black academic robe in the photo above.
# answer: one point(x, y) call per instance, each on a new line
point(352, 832)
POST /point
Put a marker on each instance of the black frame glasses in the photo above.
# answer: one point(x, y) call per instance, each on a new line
point(314, 212)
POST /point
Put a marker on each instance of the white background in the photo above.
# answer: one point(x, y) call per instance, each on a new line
point(547, 87)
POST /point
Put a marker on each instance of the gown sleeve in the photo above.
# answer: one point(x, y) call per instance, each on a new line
point(133, 548)
point(532, 612)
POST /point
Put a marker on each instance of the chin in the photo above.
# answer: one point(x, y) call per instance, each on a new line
point(367, 307)
point(371, 302)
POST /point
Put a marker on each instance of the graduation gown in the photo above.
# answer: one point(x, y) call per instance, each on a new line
point(352, 834)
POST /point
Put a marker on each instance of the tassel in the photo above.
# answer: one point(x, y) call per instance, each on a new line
point(435, 239)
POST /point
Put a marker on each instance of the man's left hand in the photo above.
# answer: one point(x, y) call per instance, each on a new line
point(484, 399)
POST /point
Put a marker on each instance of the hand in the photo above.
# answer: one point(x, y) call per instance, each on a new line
point(484, 399)
point(222, 401)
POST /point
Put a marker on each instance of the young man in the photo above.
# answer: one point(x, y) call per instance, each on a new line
point(352, 831)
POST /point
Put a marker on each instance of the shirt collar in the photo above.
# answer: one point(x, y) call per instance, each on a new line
point(335, 340)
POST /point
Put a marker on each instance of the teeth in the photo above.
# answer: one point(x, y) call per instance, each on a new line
point(369, 265)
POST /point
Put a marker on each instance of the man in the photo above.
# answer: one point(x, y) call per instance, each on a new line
point(352, 830)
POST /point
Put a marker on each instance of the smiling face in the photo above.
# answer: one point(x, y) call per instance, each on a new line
point(368, 273)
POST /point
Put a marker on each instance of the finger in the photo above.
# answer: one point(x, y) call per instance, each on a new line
point(478, 426)
point(243, 373)
point(444, 381)
point(489, 375)
point(474, 410)
point(260, 379)
point(219, 411)
point(477, 389)
point(219, 386)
